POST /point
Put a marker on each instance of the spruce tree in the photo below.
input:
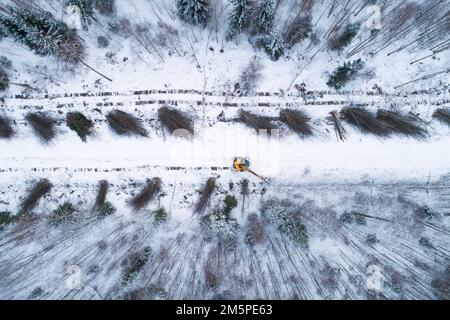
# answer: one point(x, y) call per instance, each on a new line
point(344, 74)
point(265, 16)
point(272, 45)
point(193, 11)
point(239, 18)
point(343, 39)
point(42, 33)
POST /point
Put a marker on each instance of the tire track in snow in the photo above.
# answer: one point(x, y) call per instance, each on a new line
point(225, 93)
point(222, 99)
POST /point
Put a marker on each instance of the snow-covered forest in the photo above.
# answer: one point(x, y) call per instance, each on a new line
point(120, 119)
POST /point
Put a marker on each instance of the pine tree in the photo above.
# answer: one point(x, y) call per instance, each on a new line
point(265, 16)
point(344, 73)
point(193, 11)
point(343, 39)
point(160, 216)
point(272, 45)
point(63, 214)
point(107, 209)
point(42, 33)
point(239, 18)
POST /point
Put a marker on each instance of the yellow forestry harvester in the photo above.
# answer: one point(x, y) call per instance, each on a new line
point(241, 164)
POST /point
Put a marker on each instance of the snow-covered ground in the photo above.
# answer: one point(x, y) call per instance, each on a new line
point(361, 200)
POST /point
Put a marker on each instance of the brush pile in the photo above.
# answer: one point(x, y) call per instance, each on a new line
point(255, 122)
point(77, 122)
point(6, 130)
point(255, 230)
point(338, 128)
point(298, 121)
point(37, 192)
point(175, 121)
point(364, 121)
point(133, 264)
point(124, 123)
point(62, 215)
point(43, 126)
point(103, 187)
point(401, 124)
point(277, 213)
point(102, 207)
point(442, 115)
point(205, 195)
point(147, 194)
point(384, 123)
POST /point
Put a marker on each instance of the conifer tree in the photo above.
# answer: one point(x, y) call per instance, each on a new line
point(193, 11)
point(42, 33)
point(343, 39)
point(272, 45)
point(239, 18)
point(265, 16)
point(344, 73)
